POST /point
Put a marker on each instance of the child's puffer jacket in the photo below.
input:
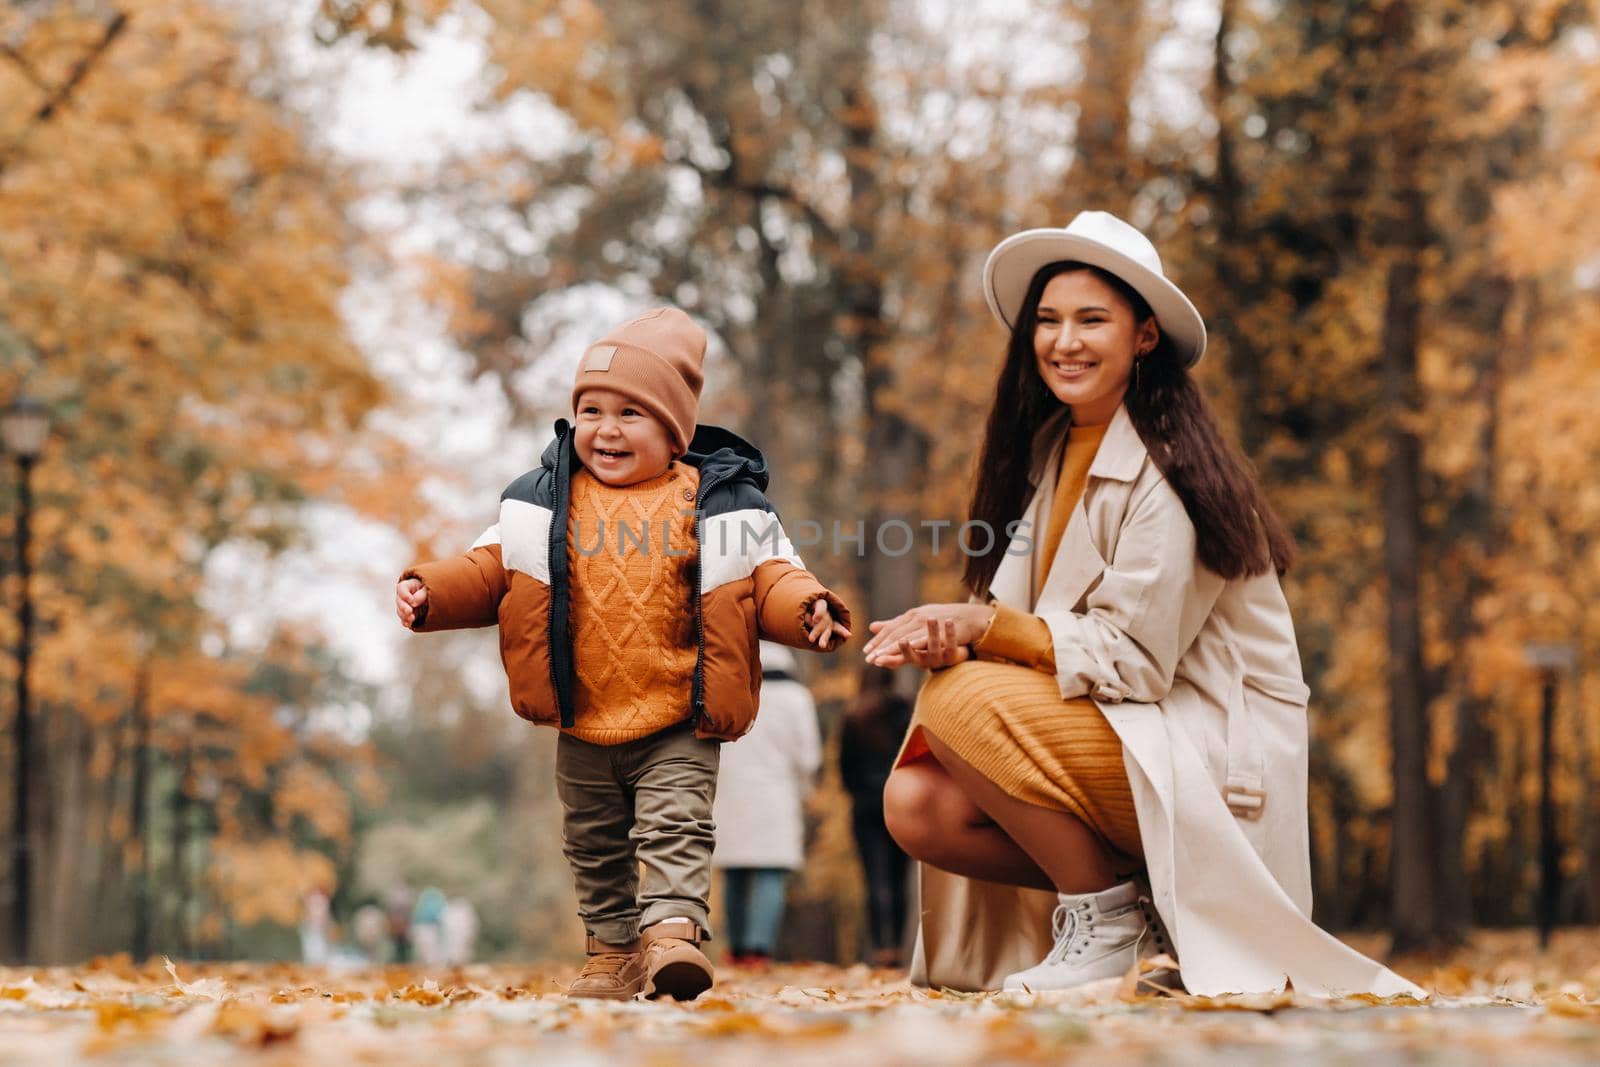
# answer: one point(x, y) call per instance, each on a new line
point(751, 584)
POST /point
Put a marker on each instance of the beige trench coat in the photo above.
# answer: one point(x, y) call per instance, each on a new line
point(1200, 677)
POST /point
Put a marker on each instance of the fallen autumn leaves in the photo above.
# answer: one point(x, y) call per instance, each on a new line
point(1496, 1000)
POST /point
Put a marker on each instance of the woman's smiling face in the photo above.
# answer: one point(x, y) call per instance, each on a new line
point(1085, 342)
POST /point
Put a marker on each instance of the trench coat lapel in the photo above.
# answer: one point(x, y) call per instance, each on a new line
point(1017, 580)
point(1078, 562)
point(1076, 565)
point(1014, 583)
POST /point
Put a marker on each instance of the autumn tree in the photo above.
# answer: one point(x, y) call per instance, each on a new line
point(172, 254)
point(1362, 156)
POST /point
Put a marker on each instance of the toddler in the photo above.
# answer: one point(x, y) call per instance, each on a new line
point(631, 575)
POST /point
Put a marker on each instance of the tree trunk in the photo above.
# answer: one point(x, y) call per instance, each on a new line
point(1417, 879)
point(890, 564)
point(107, 921)
point(1589, 811)
point(177, 876)
point(1244, 361)
point(1101, 177)
point(61, 921)
point(138, 831)
point(1480, 541)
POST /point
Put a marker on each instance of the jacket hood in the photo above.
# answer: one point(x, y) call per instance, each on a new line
point(725, 453)
point(552, 451)
point(713, 450)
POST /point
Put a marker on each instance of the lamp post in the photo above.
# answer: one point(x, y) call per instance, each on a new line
point(1551, 659)
point(23, 427)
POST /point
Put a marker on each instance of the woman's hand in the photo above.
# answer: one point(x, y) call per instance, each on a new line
point(930, 636)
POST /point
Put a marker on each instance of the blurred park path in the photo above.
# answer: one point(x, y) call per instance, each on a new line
point(1496, 1000)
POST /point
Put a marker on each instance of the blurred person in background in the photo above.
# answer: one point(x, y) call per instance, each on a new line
point(371, 930)
point(314, 924)
point(397, 903)
point(759, 809)
point(459, 926)
point(868, 741)
point(427, 937)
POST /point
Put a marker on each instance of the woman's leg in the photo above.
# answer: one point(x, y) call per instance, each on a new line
point(931, 816)
point(879, 869)
point(736, 906)
point(1070, 855)
point(899, 893)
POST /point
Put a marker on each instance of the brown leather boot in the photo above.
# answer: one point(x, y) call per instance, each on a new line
point(673, 966)
point(613, 972)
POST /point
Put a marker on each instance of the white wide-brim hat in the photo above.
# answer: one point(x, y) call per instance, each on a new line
point(1102, 240)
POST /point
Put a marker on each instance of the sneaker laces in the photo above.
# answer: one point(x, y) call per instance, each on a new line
point(1064, 924)
point(604, 964)
point(1153, 928)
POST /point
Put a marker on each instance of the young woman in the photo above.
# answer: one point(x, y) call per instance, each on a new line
point(1122, 697)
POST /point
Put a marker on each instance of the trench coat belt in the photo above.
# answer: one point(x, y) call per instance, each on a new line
point(1245, 789)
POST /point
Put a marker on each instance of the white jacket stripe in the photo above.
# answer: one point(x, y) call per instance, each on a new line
point(524, 532)
point(734, 544)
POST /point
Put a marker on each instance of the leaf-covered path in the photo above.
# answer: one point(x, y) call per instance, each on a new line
point(1498, 1001)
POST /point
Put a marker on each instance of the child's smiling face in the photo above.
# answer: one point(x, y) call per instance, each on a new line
point(618, 440)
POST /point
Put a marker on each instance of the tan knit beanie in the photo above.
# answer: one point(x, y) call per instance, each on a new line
point(655, 361)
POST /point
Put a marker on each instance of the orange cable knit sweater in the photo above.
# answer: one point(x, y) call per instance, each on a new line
point(631, 551)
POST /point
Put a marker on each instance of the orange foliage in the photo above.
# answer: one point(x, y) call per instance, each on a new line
point(173, 253)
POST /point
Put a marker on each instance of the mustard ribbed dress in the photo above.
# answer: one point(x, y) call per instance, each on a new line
point(1003, 712)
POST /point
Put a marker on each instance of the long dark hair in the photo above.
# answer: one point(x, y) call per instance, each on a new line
point(1237, 533)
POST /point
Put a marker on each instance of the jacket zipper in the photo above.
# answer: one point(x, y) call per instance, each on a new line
point(697, 688)
point(558, 636)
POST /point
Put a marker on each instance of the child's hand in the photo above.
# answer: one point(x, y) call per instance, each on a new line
point(823, 627)
point(409, 596)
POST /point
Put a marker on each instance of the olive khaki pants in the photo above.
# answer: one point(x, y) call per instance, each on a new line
point(637, 829)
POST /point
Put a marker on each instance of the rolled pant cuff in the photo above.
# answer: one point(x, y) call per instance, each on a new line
point(654, 913)
point(614, 931)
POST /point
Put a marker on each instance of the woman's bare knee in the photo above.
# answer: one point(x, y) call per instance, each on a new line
point(921, 808)
point(903, 794)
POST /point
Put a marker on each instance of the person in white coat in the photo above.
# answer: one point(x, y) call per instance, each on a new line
point(759, 809)
point(1120, 704)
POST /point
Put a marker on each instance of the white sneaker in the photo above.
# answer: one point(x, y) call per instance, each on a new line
point(1098, 935)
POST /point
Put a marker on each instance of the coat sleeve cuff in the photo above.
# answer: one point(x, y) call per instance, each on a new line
point(1017, 637)
point(836, 608)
